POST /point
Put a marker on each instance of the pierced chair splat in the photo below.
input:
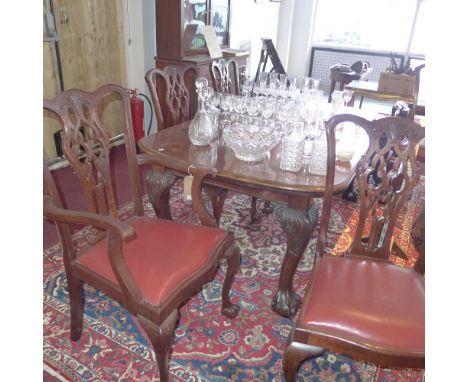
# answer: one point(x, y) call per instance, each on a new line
point(360, 304)
point(136, 262)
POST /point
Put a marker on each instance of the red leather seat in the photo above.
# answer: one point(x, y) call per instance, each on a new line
point(187, 248)
point(373, 303)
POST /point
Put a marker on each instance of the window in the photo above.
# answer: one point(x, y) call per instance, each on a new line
point(372, 24)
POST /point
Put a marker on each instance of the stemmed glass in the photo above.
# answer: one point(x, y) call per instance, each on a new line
point(262, 82)
point(268, 108)
point(273, 83)
point(337, 100)
point(252, 106)
point(283, 112)
point(308, 112)
point(347, 96)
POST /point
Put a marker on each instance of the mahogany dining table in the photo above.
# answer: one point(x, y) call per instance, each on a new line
point(292, 193)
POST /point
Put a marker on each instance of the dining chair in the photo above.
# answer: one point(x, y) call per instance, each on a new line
point(225, 76)
point(225, 79)
point(360, 304)
point(170, 89)
point(151, 266)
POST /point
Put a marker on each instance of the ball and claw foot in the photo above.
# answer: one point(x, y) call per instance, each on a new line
point(286, 304)
point(231, 311)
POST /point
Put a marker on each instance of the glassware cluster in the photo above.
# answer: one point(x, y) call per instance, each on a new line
point(276, 109)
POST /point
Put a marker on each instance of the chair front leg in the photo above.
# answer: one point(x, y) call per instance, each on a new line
point(294, 355)
point(161, 337)
point(217, 196)
point(159, 186)
point(229, 309)
point(75, 292)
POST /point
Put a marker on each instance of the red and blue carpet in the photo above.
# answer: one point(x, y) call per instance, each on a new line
point(208, 346)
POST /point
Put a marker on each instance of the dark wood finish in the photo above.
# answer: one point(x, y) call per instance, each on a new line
point(269, 52)
point(172, 151)
point(170, 94)
point(225, 76)
point(86, 146)
point(172, 42)
point(343, 78)
point(369, 89)
point(379, 204)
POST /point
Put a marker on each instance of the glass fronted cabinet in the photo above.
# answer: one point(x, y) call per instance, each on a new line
point(179, 32)
point(179, 26)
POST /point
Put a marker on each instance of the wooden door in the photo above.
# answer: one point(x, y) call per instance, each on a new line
point(91, 47)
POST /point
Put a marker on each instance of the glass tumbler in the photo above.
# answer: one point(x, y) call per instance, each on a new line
point(292, 148)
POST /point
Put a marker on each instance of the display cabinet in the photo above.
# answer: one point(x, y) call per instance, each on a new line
point(179, 33)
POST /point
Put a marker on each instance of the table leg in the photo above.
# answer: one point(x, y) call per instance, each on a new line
point(298, 226)
point(158, 186)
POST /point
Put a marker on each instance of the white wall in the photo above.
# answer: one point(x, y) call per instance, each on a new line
point(249, 23)
point(295, 35)
point(140, 43)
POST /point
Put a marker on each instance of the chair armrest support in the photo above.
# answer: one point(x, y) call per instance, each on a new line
point(124, 230)
point(199, 174)
point(117, 233)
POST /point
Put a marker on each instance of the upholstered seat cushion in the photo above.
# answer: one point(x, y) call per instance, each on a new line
point(163, 254)
point(373, 303)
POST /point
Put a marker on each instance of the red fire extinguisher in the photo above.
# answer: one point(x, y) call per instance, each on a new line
point(138, 115)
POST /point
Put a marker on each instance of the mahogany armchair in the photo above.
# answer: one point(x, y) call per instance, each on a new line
point(151, 266)
point(360, 304)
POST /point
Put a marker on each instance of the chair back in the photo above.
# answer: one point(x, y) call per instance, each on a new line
point(417, 85)
point(170, 91)
point(86, 146)
point(385, 176)
point(225, 76)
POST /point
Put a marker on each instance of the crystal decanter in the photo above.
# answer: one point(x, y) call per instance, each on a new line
point(202, 131)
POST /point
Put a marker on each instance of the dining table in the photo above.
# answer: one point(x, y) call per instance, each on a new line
point(292, 193)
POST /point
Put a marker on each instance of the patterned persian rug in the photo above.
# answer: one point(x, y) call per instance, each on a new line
point(208, 346)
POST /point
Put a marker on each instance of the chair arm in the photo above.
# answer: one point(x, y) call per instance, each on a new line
point(124, 230)
point(199, 174)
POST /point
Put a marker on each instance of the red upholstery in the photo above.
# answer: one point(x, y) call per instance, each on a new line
point(373, 303)
point(163, 254)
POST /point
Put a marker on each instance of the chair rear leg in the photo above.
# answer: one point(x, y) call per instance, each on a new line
point(75, 292)
point(294, 355)
point(255, 216)
point(229, 309)
point(161, 337)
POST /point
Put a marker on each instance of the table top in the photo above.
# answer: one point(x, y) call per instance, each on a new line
point(369, 89)
point(173, 151)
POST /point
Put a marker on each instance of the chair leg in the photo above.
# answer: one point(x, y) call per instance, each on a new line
point(229, 309)
point(217, 196)
point(255, 216)
point(294, 355)
point(161, 337)
point(75, 292)
point(267, 207)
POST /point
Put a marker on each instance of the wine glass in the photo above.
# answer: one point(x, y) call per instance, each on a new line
point(337, 100)
point(262, 81)
point(347, 96)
